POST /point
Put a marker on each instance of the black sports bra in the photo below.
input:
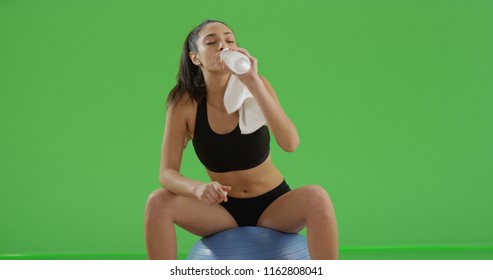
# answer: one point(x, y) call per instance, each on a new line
point(231, 151)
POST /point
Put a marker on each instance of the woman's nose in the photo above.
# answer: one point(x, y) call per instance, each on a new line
point(222, 45)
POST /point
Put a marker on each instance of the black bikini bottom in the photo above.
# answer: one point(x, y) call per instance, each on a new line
point(247, 211)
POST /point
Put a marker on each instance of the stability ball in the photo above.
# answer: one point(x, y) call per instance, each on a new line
point(250, 243)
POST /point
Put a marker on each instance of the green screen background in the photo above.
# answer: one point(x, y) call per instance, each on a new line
point(392, 101)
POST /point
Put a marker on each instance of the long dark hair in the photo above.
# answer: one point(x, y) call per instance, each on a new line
point(190, 78)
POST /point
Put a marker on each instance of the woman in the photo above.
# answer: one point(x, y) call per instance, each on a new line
point(246, 189)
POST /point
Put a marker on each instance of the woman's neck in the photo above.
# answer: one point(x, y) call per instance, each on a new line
point(216, 86)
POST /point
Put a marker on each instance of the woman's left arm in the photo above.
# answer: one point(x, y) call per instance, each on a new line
point(279, 123)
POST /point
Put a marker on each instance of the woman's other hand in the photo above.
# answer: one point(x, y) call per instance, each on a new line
point(212, 193)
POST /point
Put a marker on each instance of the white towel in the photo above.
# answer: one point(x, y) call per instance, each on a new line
point(238, 97)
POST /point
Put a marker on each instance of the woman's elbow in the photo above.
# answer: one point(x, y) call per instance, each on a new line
point(292, 145)
point(164, 177)
point(162, 181)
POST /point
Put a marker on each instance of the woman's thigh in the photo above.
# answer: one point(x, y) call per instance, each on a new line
point(193, 215)
point(288, 212)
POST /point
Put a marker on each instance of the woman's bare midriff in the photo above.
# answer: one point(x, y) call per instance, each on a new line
point(244, 183)
point(251, 182)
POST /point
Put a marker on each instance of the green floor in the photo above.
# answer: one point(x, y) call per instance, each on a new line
point(423, 253)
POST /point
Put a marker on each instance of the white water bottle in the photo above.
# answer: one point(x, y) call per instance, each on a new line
point(236, 61)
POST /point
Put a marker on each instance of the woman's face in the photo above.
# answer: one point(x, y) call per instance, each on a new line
point(213, 38)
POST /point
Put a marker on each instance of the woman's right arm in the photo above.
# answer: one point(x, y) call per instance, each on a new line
point(173, 144)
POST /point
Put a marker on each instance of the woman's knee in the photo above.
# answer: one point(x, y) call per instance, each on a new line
point(159, 203)
point(318, 200)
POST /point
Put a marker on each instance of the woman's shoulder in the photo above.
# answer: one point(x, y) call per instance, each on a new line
point(182, 103)
point(183, 109)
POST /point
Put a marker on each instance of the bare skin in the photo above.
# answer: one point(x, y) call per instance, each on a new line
point(194, 205)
